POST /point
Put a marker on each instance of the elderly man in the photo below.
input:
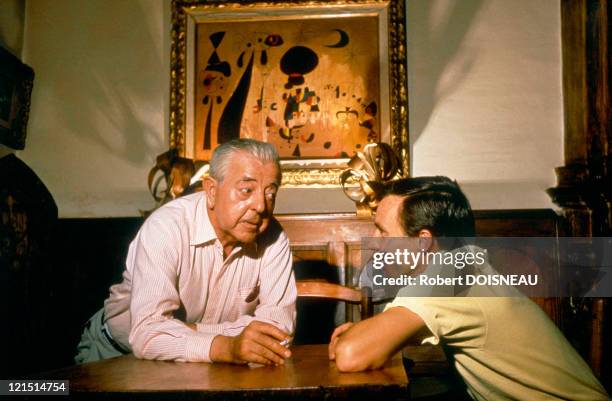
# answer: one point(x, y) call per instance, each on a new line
point(504, 348)
point(208, 276)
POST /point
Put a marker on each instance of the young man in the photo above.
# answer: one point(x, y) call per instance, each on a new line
point(503, 347)
point(208, 276)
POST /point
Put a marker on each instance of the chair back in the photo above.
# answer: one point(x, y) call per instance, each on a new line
point(336, 292)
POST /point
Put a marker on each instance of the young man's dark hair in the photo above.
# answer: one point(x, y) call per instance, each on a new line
point(436, 204)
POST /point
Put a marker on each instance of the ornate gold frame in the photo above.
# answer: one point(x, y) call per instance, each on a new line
point(302, 172)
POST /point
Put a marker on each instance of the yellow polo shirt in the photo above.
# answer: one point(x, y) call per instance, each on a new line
point(506, 348)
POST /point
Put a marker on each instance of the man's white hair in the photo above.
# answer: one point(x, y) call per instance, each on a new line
point(262, 151)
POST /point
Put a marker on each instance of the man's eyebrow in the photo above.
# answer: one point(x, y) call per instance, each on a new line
point(247, 179)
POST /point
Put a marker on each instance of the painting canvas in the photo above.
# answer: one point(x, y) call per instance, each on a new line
point(309, 87)
point(319, 80)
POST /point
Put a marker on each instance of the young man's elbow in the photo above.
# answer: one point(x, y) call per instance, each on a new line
point(349, 359)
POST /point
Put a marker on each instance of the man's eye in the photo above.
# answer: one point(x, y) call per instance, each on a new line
point(271, 195)
point(246, 191)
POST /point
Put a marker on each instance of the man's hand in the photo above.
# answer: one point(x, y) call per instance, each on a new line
point(259, 342)
point(334, 339)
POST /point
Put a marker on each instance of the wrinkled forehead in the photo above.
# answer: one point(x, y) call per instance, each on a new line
point(243, 165)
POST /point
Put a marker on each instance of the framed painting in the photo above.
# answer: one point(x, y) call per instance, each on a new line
point(319, 80)
point(16, 81)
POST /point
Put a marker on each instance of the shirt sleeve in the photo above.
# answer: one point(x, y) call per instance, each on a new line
point(155, 333)
point(277, 293)
point(457, 322)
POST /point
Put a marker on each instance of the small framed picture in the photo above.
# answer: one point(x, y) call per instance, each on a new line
point(16, 81)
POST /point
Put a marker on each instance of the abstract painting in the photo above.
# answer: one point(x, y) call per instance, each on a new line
point(310, 88)
point(315, 81)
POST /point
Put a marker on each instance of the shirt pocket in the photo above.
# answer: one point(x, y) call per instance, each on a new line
point(248, 298)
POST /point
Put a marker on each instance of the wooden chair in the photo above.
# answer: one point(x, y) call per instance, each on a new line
point(429, 377)
point(325, 290)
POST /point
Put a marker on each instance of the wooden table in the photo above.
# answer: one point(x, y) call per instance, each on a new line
point(308, 374)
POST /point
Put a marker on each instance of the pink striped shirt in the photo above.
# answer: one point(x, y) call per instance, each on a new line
point(175, 273)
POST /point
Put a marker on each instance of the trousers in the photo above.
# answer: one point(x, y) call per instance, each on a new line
point(96, 342)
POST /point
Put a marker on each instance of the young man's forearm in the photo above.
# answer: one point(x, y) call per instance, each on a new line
point(369, 343)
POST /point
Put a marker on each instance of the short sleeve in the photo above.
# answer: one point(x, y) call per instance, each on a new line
point(455, 322)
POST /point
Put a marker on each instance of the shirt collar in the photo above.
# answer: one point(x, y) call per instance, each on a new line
point(204, 231)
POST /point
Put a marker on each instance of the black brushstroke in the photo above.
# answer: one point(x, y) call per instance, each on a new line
point(207, 128)
point(216, 38)
point(342, 42)
point(372, 108)
point(240, 61)
point(214, 63)
point(297, 62)
point(229, 124)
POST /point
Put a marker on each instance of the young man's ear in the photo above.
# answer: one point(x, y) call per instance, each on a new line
point(210, 189)
point(426, 239)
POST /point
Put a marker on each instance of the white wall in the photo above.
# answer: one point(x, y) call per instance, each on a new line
point(484, 90)
point(100, 100)
point(12, 13)
point(485, 97)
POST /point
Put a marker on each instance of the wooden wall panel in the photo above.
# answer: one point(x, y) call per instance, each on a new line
point(584, 183)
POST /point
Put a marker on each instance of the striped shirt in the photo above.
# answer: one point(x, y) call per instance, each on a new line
point(175, 273)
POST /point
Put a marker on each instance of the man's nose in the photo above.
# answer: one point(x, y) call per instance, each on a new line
point(259, 202)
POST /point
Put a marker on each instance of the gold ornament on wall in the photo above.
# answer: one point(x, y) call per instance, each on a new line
point(368, 171)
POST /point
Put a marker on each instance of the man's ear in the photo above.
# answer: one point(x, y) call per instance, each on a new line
point(426, 239)
point(210, 189)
